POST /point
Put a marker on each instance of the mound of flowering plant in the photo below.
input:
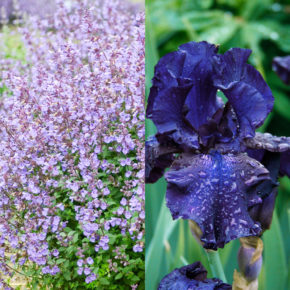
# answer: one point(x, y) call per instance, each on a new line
point(72, 138)
point(223, 175)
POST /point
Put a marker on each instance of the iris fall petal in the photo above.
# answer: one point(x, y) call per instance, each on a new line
point(215, 191)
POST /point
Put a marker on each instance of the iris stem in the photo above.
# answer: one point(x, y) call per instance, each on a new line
point(216, 265)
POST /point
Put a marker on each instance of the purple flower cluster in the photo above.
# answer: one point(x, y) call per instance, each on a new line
point(15, 9)
point(72, 135)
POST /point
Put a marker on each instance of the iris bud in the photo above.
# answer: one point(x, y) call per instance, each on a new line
point(250, 257)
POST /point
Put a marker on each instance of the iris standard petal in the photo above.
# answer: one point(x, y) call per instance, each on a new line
point(167, 113)
point(191, 277)
point(182, 97)
point(245, 89)
point(201, 102)
point(281, 65)
point(215, 191)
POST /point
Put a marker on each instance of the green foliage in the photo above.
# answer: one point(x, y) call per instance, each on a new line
point(262, 26)
point(122, 277)
point(11, 43)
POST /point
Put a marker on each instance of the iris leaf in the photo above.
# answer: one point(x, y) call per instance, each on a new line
point(275, 262)
point(163, 230)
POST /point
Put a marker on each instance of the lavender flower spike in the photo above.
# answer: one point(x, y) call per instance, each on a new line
point(216, 179)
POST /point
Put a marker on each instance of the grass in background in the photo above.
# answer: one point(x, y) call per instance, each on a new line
point(11, 43)
point(264, 27)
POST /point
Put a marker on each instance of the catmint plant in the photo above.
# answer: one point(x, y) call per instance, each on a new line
point(222, 175)
point(72, 150)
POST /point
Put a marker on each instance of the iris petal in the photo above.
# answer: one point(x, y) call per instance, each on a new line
point(157, 158)
point(267, 190)
point(285, 164)
point(215, 191)
point(268, 142)
point(192, 276)
point(264, 142)
point(182, 97)
point(245, 89)
point(281, 65)
point(201, 102)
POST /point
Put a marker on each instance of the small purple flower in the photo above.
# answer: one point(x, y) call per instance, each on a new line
point(54, 270)
point(87, 271)
point(93, 277)
point(90, 278)
point(22, 261)
point(120, 210)
point(128, 174)
point(193, 276)
point(80, 271)
point(137, 248)
point(106, 191)
point(46, 270)
point(80, 262)
point(128, 215)
point(90, 261)
point(60, 206)
point(123, 201)
point(55, 252)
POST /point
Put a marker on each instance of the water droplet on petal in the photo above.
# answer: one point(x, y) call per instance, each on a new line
point(283, 146)
point(202, 174)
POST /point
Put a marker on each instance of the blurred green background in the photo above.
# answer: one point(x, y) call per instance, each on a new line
point(264, 27)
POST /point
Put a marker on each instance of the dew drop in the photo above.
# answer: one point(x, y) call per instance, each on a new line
point(251, 181)
point(269, 146)
point(234, 186)
point(202, 174)
point(215, 180)
point(283, 146)
point(237, 211)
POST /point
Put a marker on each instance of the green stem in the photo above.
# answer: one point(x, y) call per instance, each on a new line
point(216, 265)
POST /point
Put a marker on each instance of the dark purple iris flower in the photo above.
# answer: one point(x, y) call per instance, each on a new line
point(221, 175)
point(191, 277)
point(281, 65)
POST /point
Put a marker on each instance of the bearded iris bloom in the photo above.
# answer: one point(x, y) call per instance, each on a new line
point(192, 276)
point(221, 175)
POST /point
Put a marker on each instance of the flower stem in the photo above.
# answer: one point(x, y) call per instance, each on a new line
point(216, 265)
